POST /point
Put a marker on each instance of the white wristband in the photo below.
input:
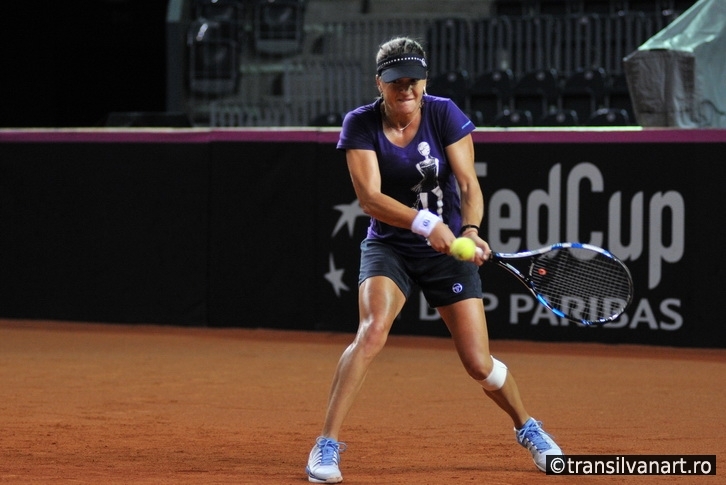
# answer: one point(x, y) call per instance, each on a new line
point(424, 223)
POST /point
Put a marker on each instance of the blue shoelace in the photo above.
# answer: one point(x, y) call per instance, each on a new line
point(329, 451)
point(536, 435)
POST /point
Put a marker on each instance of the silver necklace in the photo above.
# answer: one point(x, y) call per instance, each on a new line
point(400, 130)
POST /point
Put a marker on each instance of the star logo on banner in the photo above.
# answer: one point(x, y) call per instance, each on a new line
point(335, 277)
point(348, 215)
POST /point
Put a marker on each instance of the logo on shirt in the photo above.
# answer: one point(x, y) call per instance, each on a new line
point(429, 193)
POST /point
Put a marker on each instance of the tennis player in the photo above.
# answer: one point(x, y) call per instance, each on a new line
point(411, 160)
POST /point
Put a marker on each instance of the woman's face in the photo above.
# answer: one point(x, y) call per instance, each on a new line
point(402, 96)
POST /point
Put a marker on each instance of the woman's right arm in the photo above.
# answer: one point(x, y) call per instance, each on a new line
point(363, 168)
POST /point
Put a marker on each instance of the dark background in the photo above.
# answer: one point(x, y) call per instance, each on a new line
point(69, 64)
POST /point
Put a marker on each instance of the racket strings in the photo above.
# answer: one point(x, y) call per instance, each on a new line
point(582, 283)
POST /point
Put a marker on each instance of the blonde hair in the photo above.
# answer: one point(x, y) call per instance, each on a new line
point(398, 46)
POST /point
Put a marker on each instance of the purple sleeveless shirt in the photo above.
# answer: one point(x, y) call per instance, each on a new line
point(418, 175)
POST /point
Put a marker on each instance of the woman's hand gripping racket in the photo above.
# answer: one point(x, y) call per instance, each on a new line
point(580, 282)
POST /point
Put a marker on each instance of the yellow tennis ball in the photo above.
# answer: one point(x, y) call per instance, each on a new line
point(463, 248)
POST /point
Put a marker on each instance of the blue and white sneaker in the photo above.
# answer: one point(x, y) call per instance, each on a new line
point(537, 441)
point(324, 460)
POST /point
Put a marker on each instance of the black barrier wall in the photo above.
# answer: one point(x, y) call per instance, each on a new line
point(261, 228)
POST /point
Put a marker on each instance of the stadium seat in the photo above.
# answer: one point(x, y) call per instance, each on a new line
point(453, 85)
point(609, 117)
point(513, 118)
point(327, 119)
point(491, 92)
point(536, 91)
point(232, 11)
point(584, 91)
point(618, 95)
point(279, 26)
point(560, 117)
point(213, 57)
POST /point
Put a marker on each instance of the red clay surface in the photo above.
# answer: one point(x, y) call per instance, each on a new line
point(100, 404)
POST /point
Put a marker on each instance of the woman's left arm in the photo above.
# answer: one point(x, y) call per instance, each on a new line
point(461, 158)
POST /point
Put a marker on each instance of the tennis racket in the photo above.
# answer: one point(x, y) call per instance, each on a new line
point(580, 282)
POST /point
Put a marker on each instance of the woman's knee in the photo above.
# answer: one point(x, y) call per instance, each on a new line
point(491, 375)
point(372, 337)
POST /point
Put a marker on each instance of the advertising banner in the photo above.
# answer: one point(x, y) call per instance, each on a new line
point(262, 228)
point(650, 204)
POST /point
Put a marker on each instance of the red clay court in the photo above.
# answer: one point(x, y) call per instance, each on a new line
point(96, 403)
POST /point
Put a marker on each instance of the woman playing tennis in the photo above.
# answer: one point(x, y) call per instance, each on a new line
point(411, 160)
